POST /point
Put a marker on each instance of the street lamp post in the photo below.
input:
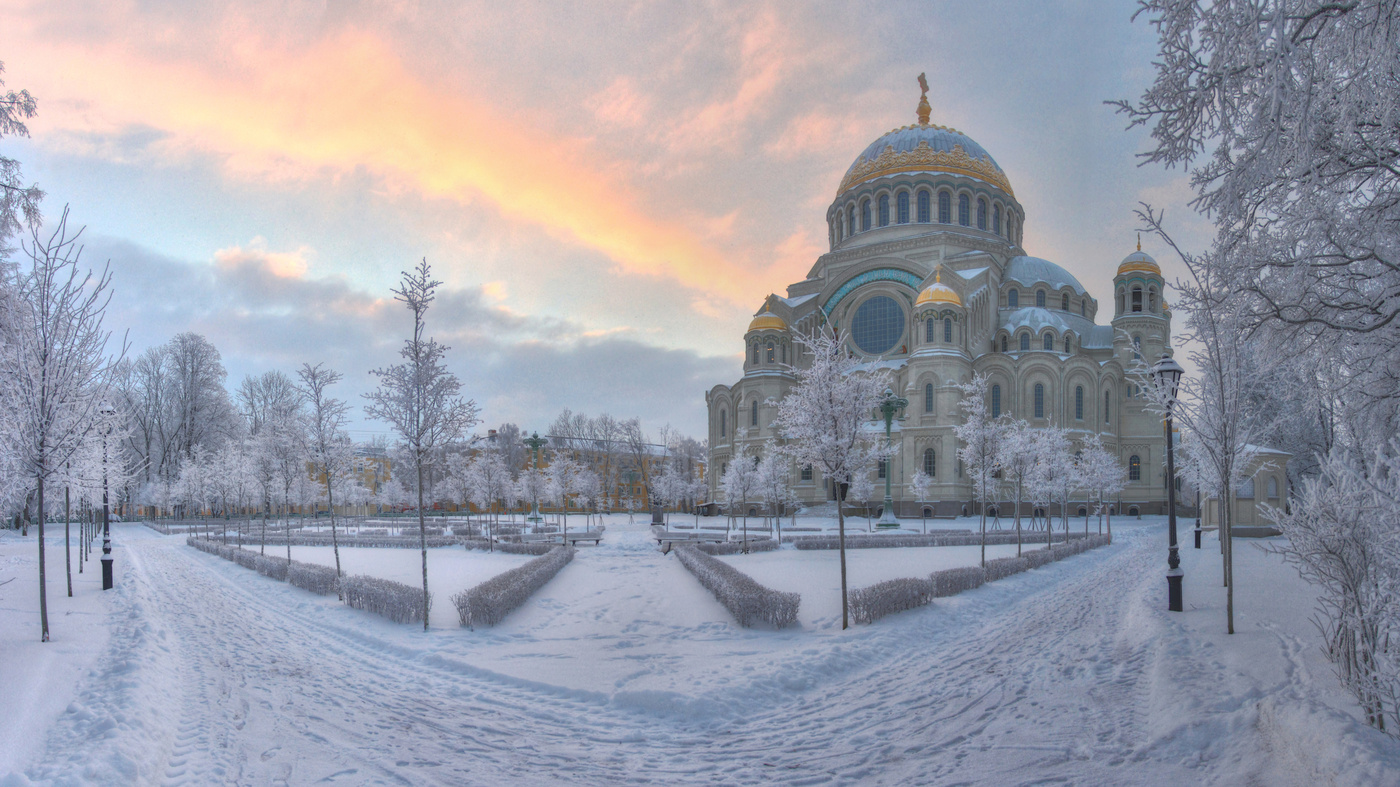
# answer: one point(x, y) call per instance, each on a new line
point(535, 442)
point(107, 411)
point(889, 406)
point(1167, 374)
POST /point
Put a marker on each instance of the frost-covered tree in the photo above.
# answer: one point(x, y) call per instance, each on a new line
point(979, 435)
point(921, 483)
point(1102, 474)
point(739, 485)
point(862, 488)
point(19, 204)
point(1017, 457)
point(568, 479)
point(773, 479)
point(420, 398)
point(492, 480)
point(1054, 473)
point(825, 420)
point(327, 442)
point(57, 364)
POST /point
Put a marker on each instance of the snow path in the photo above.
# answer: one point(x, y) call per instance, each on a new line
point(215, 674)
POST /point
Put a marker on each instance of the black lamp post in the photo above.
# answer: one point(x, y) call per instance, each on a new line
point(108, 412)
point(1167, 374)
point(889, 408)
point(535, 443)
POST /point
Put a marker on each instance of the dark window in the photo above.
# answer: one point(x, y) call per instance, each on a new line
point(1069, 345)
point(928, 330)
point(947, 329)
point(865, 215)
point(1137, 299)
point(755, 355)
point(996, 219)
point(1084, 307)
point(981, 214)
point(807, 473)
point(1040, 298)
point(923, 207)
point(1039, 400)
point(996, 401)
point(1003, 344)
point(945, 211)
point(784, 353)
point(1049, 342)
point(1079, 403)
point(722, 424)
point(902, 207)
point(880, 469)
point(930, 462)
point(1105, 406)
point(1013, 299)
point(753, 413)
point(877, 325)
point(963, 210)
point(1025, 341)
point(928, 397)
point(1134, 468)
point(771, 354)
point(1064, 301)
point(850, 220)
point(884, 210)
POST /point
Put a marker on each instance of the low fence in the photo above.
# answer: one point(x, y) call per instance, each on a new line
point(947, 539)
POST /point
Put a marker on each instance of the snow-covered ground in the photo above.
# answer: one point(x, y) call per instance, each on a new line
point(624, 669)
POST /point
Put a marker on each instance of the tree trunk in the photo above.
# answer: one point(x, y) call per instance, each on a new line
point(1018, 518)
point(984, 534)
point(67, 547)
point(43, 596)
point(422, 537)
point(841, 542)
point(335, 541)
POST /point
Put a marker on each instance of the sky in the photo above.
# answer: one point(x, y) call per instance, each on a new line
point(608, 191)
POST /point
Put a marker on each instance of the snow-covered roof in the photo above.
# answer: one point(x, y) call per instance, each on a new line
point(1033, 270)
point(1037, 319)
point(971, 273)
point(799, 300)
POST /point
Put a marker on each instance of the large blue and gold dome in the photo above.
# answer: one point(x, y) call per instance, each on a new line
point(925, 147)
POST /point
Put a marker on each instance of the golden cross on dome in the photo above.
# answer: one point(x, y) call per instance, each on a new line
point(1139, 241)
point(924, 109)
point(938, 275)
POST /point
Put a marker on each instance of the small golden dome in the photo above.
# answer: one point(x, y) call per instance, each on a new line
point(938, 292)
point(767, 321)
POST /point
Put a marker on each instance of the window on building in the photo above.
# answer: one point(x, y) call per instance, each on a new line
point(1137, 347)
point(1137, 299)
point(996, 401)
point(1084, 307)
point(1064, 301)
point(723, 468)
point(928, 330)
point(964, 210)
point(1273, 487)
point(723, 427)
point(948, 329)
point(1039, 400)
point(771, 353)
point(1134, 468)
point(1069, 345)
point(1120, 302)
point(923, 206)
point(1152, 300)
point(1013, 299)
point(902, 207)
point(1003, 344)
point(877, 325)
point(753, 413)
point(850, 220)
point(1025, 341)
point(1106, 401)
point(945, 211)
point(884, 210)
point(784, 353)
point(755, 355)
point(1048, 341)
point(806, 472)
point(981, 214)
point(1246, 489)
point(928, 397)
point(880, 470)
point(1040, 299)
point(996, 219)
point(930, 462)
point(1079, 403)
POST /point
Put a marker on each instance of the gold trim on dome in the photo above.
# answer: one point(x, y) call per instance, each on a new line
point(923, 157)
point(767, 321)
point(938, 292)
point(1139, 266)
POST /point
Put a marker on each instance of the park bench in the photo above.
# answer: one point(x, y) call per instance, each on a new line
point(573, 537)
point(691, 537)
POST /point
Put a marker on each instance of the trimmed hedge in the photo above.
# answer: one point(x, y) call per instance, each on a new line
point(317, 579)
point(410, 541)
point(952, 538)
point(511, 548)
point(745, 599)
point(737, 547)
point(396, 601)
point(1003, 567)
point(895, 595)
point(953, 581)
point(489, 603)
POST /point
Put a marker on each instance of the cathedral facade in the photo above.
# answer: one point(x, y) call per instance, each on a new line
point(926, 276)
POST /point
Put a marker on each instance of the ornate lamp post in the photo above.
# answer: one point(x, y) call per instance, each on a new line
point(536, 443)
point(889, 406)
point(1167, 374)
point(107, 412)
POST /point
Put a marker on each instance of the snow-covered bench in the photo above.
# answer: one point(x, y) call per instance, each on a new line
point(689, 537)
point(572, 537)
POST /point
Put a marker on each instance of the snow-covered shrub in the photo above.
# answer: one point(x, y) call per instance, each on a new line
point(736, 547)
point(409, 541)
point(953, 581)
point(954, 538)
point(1035, 558)
point(395, 601)
point(269, 566)
point(309, 576)
point(895, 595)
point(1003, 567)
point(745, 599)
point(488, 603)
point(510, 548)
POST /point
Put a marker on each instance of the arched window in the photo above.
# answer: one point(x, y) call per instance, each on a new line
point(923, 206)
point(771, 353)
point(928, 397)
point(947, 330)
point(1039, 400)
point(723, 427)
point(1134, 468)
point(755, 355)
point(1152, 300)
point(806, 472)
point(1246, 489)
point(1120, 302)
point(1106, 400)
point(850, 220)
point(996, 219)
point(784, 353)
point(1064, 301)
point(864, 215)
point(1069, 345)
point(1003, 344)
point(981, 214)
point(945, 210)
point(884, 210)
point(1137, 299)
point(1013, 299)
point(880, 469)
point(928, 330)
point(902, 207)
point(1083, 307)
point(996, 401)
point(723, 468)
point(1273, 487)
point(1048, 341)
point(1137, 347)
point(753, 413)
point(1025, 341)
point(964, 210)
point(930, 462)
point(1079, 403)
point(1040, 299)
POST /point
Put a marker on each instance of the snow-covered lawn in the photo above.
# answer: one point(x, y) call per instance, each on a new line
point(624, 669)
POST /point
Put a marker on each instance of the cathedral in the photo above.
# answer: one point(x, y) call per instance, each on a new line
point(926, 275)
